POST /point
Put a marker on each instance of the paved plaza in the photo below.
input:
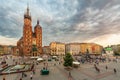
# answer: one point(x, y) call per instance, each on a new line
point(57, 72)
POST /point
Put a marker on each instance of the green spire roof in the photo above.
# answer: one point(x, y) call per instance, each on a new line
point(34, 48)
point(108, 49)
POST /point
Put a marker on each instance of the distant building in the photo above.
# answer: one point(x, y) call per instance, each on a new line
point(116, 49)
point(10, 49)
point(5, 49)
point(109, 51)
point(57, 48)
point(46, 50)
point(1, 50)
point(93, 48)
point(15, 51)
point(82, 48)
point(30, 44)
point(73, 48)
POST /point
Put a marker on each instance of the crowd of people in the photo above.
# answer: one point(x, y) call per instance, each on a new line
point(83, 60)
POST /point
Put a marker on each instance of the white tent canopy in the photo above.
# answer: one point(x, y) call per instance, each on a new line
point(34, 57)
point(54, 56)
point(40, 59)
point(75, 62)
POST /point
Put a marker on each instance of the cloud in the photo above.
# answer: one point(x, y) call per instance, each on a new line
point(109, 39)
point(63, 20)
point(7, 41)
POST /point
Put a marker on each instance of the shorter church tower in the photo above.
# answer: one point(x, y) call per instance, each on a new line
point(38, 34)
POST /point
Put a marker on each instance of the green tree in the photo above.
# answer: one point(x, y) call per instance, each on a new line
point(117, 50)
point(116, 53)
point(68, 60)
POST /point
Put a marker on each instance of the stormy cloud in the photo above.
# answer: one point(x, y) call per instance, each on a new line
point(63, 20)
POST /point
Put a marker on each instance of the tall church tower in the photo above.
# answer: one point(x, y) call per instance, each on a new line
point(27, 33)
point(30, 44)
point(38, 34)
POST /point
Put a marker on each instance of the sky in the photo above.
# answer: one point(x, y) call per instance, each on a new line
point(94, 21)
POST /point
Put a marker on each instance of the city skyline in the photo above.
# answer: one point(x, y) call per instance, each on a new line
point(63, 21)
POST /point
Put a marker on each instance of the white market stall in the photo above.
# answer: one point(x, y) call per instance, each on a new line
point(40, 59)
point(76, 64)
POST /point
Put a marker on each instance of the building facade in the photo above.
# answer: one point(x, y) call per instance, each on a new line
point(109, 51)
point(93, 48)
point(73, 48)
point(15, 51)
point(116, 49)
point(57, 48)
point(46, 50)
point(5, 49)
point(1, 50)
point(30, 44)
point(82, 48)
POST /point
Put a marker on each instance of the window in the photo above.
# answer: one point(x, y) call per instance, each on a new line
point(28, 50)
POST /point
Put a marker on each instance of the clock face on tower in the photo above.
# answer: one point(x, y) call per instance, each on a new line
point(27, 22)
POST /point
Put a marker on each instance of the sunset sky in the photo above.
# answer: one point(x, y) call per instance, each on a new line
point(66, 21)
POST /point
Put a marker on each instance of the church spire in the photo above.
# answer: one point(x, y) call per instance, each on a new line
point(27, 14)
point(27, 9)
point(38, 22)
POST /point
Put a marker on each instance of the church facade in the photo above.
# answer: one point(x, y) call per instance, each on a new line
point(30, 44)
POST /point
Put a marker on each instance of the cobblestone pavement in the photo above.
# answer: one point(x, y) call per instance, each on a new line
point(57, 72)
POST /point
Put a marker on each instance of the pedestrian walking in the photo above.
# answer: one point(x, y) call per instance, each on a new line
point(106, 67)
point(33, 71)
point(115, 71)
point(3, 78)
point(69, 73)
point(45, 68)
point(44, 63)
point(47, 65)
point(22, 74)
point(69, 76)
point(59, 62)
point(94, 65)
point(31, 76)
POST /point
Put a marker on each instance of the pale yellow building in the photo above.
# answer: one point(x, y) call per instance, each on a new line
point(82, 48)
point(1, 50)
point(5, 49)
point(73, 48)
point(57, 48)
point(93, 48)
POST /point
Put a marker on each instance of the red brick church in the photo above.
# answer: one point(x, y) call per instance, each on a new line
point(30, 44)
